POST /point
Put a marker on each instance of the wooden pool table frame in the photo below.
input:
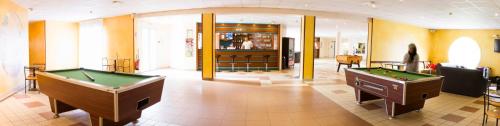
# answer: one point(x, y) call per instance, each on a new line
point(400, 96)
point(105, 105)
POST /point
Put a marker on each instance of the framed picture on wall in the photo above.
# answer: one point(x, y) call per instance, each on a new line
point(361, 48)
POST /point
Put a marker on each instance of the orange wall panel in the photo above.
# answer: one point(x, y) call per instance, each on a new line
point(120, 33)
point(37, 42)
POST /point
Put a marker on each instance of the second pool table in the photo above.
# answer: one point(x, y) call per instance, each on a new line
point(110, 98)
point(402, 91)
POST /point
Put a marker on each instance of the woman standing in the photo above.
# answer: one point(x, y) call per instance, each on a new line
point(411, 59)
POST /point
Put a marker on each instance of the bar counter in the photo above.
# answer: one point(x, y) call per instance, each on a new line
point(257, 59)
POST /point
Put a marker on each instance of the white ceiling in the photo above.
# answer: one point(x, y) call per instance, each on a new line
point(466, 14)
point(325, 27)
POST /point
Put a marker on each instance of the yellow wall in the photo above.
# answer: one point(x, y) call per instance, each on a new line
point(120, 33)
point(61, 45)
point(390, 40)
point(442, 40)
point(37, 42)
point(14, 51)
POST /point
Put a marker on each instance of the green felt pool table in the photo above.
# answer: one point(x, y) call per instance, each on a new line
point(110, 98)
point(402, 91)
point(395, 74)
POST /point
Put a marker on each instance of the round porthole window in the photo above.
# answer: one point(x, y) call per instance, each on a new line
point(464, 52)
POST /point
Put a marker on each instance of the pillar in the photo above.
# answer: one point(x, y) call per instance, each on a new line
point(208, 51)
point(369, 48)
point(308, 35)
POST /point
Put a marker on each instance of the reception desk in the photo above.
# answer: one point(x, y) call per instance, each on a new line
point(257, 59)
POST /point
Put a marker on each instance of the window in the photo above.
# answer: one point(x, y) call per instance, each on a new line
point(464, 52)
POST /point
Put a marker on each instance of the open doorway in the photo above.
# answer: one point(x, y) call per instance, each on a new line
point(166, 42)
point(338, 40)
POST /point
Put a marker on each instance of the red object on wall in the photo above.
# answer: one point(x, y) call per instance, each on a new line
point(136, 64)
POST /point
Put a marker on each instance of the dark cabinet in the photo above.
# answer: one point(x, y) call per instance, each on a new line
point(288, 52)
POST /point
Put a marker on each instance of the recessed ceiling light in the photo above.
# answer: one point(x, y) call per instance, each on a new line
point(371, 4)
point(496, 14)
point(401, 0)
point(306, 5)
point(116, 2)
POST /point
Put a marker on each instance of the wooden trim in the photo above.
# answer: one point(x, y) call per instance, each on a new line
point(370, 42)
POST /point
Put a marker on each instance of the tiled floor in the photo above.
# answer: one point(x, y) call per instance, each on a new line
point(256, 99)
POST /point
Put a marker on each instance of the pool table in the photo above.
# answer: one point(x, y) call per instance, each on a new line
point(110, 98)
point(402, 91)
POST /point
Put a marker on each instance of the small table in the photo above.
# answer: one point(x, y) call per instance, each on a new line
point(33, 70)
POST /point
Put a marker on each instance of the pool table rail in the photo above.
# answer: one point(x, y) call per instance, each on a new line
point(101, 87)
point(430, 78)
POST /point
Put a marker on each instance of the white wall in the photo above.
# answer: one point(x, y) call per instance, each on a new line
point(293, 31)
point(167, 48)
point(326, 47)
point(61, 45)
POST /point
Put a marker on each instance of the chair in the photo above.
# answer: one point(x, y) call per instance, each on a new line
point(427, 68)
point(232, 63)
point(105, 64)
point(487, 112)
point(266, 61)
point(41, 67)
point(122, 65)
point(30, 76)
point(217, 63)
point(248, 62)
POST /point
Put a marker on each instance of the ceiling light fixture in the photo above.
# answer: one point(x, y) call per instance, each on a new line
point(496, 14)
point(116, 2)
point(372, 4)
point(306, 5)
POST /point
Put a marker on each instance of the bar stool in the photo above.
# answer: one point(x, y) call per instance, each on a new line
point(248, 62)
point(266, 57)
point(217, 64)
point(232, 63)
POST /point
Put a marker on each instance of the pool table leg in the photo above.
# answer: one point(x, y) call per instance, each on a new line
point(394, 109)
point(338, 67)
point(96, 120)
point(57, 107)
point(362, 96)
